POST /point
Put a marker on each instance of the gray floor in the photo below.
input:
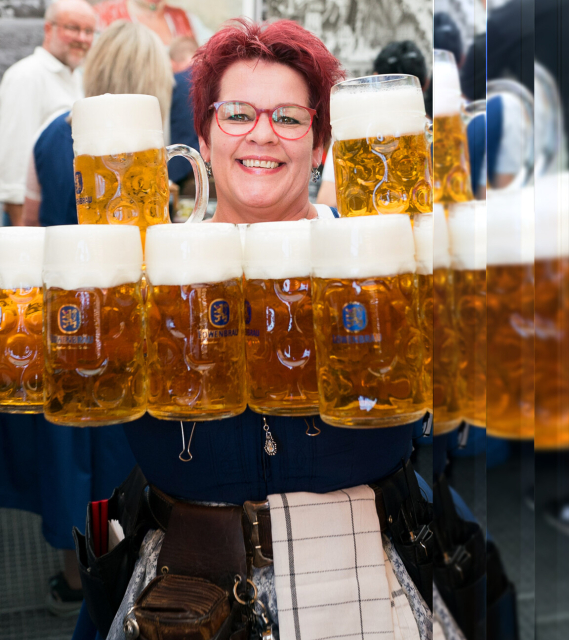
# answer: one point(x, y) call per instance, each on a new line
point(26, 564)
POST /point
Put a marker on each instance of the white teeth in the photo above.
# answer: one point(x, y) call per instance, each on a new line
point(263, 164)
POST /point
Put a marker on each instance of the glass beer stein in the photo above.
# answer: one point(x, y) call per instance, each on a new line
point(120, 163)
point(446, 409)
point(467, 240)
point(381, 146)
point(511, 330)
point(94, 327)
point(21, 304)
point(195, 337)
point(552, 312)
point(369, 345)
point(423, 232)
point(451, 159)
point(281, 358)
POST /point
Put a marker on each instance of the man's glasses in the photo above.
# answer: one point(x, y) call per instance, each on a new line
point(75, 30)
point(290, 122)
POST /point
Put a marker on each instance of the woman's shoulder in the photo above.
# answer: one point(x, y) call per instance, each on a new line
point(58, 127)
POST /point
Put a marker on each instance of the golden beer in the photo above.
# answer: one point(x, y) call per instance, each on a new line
point(94, 373)
point(451, 160)
point(195, 351)
point(370, 348)
point(511, 328)
point(281, 356)
point(382, 157)
point(21, 307)
point(510, 396)
point(446, 407)
point(467, 244)
point(383, 175)
point(552, 353)
point(93, 325)
point(470, 316)
point(21, 355)
point(423, 233)
point(126, 188)
point(195, 339)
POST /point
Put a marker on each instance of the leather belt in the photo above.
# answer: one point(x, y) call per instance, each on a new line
point(256, 521)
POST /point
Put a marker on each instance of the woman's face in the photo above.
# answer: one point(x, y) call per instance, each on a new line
point(256, 193)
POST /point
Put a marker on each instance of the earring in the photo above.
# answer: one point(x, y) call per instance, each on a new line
point(315, 175)
point(208, 169)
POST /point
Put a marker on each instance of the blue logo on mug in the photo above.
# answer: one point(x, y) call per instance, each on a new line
point(78, 182)
point(69, 318)
point(247, 312)
point(354, 317)
point(219, 313)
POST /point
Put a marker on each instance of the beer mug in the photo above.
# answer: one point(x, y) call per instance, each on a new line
point(511, 332)
point(451, 159)
point(21, 304)
point(467, 239)
point(120, 162)
point(552, 312)
point(195, 337)
point(381, 146)
point(94, 327)
point(423, 233)
point(446, 409)
point(281, 358)
point(369, 345)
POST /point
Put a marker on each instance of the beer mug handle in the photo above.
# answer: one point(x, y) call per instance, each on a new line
point(499, 87)
point(200, 173)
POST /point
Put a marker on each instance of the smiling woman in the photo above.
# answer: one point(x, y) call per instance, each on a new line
point(262, 113)
point(268, 87)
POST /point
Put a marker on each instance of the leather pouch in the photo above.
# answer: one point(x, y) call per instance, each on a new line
point(176, 607)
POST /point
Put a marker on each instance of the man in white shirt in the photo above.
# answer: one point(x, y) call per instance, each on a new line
point(35, 88)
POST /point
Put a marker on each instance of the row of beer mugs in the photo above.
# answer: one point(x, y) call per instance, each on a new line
point(501, 314)
point(301, 318)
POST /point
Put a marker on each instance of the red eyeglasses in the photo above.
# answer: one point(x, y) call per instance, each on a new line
point(289, 122)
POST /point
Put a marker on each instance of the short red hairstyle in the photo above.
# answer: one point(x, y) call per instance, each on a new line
point(283, 41)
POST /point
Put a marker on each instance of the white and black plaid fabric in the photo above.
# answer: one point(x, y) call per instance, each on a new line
point(330, 573)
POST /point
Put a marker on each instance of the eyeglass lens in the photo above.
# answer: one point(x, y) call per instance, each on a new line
point(239, 118)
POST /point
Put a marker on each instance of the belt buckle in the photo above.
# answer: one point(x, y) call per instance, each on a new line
point(251, 510)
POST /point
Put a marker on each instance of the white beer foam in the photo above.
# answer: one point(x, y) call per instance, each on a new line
point(362, 247)
point(431, 241)
point(552, 216)
point(447, 98)
point(467, 235)
point(21, 257)
point(362, 113)
point(511, 226)
point(423, 235)
point(180, 254)
point(111, 124)
point(89, 256)
point(277, 250)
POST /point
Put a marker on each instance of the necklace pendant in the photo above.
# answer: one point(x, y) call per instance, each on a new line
point(270, 445)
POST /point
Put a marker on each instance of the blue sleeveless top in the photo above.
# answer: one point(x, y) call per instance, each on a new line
point(55, 173)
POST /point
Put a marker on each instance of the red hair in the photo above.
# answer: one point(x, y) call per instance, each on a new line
point(284, 42)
